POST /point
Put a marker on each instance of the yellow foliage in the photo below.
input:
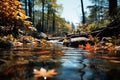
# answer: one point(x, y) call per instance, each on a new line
point(27, 22)
point(69, 27)
point(18, 2)
point(108, 44)
point(12, 10)
point(22, 15)
point(11, 37)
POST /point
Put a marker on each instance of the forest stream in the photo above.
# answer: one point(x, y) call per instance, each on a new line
point(72, 64)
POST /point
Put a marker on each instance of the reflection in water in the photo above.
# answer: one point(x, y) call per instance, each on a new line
point(14, 72)
point(72, 65)
point(90, 72)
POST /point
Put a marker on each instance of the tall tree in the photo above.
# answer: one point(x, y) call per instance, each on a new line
point(30, 9)
point(33, 12)
point(52, 10)
point(48, 14)
point(26, 4)
point(43, 5)
point(112, 8)
point(83, 14)
point(98, 11)
point(53, 28)
point(49, 11)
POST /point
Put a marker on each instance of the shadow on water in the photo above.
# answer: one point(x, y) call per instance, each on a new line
point(72, 65)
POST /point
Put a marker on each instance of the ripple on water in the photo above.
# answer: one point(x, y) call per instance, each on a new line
point(68, 74)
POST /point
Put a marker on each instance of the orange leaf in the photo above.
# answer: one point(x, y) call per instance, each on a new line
point(44, 73)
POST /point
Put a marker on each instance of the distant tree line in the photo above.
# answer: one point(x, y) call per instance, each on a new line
point(101, 13)
point(45, 15)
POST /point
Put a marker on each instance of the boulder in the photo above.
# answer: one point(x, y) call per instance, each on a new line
point(6, 44)
point(43, 35)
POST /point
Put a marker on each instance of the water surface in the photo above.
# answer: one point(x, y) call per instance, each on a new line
point(71, 65)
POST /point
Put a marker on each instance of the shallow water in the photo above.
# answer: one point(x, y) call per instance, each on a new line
point(72, 65)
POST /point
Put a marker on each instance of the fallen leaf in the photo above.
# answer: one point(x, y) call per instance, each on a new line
point(44, 73)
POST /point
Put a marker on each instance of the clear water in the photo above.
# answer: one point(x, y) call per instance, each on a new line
point(72, 65)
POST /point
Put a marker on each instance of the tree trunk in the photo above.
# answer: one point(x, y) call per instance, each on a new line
point(48, 17)
point(33, 13)
point(53, 28)
point(26, 7)
point(112, 8)
point(43, 5)
point(83, 14)
point(30, 9)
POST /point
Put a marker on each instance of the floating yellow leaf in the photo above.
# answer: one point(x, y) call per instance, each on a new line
point(44, 73)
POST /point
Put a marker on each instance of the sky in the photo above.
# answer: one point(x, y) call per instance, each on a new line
point(72, 10)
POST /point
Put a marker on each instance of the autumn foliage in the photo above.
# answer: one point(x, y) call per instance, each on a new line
point(12, 14)
point(44, 73)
